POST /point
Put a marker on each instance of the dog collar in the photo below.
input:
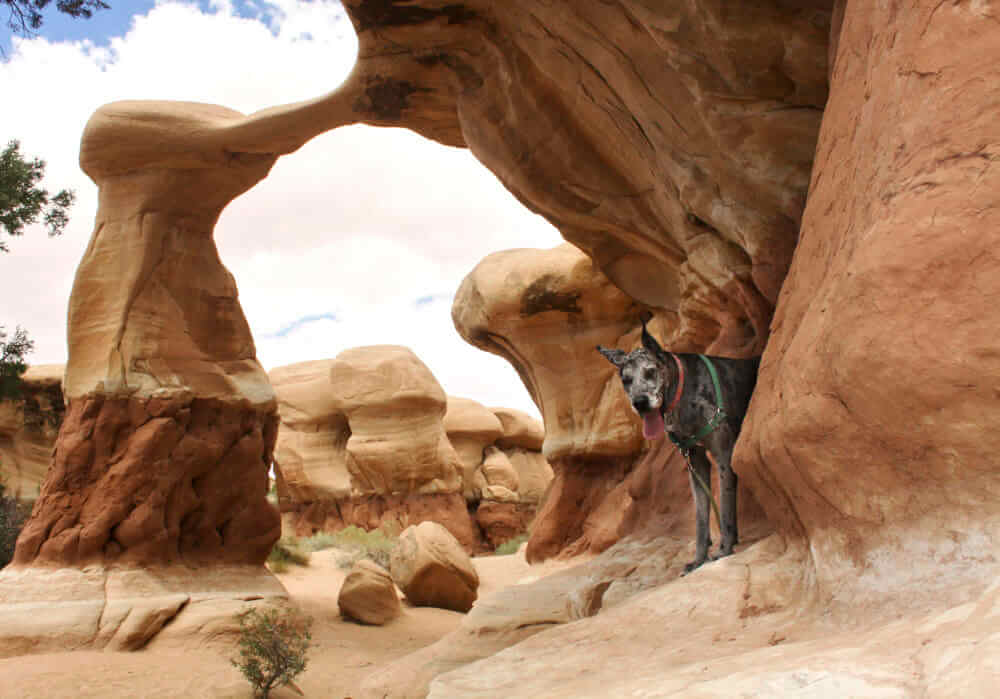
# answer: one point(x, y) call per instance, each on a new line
point(680, 384)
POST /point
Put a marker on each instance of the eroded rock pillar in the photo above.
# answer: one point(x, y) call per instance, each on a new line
point(160, 471)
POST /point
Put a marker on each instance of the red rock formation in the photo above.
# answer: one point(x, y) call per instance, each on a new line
point(873, 432)
point(156, 495)
point(170, 481)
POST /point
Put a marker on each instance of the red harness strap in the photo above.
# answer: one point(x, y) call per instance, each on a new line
point(680, 384)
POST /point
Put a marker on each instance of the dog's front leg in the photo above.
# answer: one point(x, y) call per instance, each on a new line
point(702, 539)
point(727, 486)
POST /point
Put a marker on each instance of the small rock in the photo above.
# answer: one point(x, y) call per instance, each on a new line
point(368, 595)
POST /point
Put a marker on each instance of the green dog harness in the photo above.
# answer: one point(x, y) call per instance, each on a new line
point(686, 444)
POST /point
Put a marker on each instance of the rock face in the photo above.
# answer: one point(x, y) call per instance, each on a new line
point(873, 433)
point(369, 439)
point(28, 429)
point(368, 595)
point(162, 459)
point(545, 311)
point(433, 570)
point(870, 439)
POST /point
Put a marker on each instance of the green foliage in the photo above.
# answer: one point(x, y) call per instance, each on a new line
point(12, 363)
point(511, 545)
point(25, 17)
point(319, 541)
point(13, 515)
point(272, 648)
point(287, 551)
point(375, 545)
point(22, 201)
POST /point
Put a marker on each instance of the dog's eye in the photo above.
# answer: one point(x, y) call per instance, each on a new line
point(649, 374)
point(626, 380)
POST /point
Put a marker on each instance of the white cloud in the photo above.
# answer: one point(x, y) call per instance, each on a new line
point(360, 223)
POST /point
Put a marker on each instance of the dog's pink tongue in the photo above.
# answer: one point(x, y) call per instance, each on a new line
point(652, 425)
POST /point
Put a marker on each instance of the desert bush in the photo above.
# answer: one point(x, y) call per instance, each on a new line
point(13, 515)
point(375, 545)
point(272, 647)
point(511, 545)
point(287, 551)
point(319, 541)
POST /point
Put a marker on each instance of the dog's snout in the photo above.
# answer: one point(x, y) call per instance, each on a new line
point(641, 403)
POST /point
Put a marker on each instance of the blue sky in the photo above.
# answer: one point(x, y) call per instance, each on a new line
point(104, 24)
point(359, 238)
point(114, 21)
point(117, 20)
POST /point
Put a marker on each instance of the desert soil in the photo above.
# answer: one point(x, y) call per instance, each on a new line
point(343, 654)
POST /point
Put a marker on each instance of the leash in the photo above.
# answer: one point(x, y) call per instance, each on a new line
point(685, 444)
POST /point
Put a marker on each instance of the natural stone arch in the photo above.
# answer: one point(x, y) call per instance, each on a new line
point(687, 191)
point(152, 380)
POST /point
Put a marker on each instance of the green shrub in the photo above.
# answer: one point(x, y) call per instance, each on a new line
point(375, 545)
point(13, 515)
point(272, 648)
point(511, 545)
point(319, 541)
point(287, 551)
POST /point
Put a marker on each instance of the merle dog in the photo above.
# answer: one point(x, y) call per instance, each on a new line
point(675, 394)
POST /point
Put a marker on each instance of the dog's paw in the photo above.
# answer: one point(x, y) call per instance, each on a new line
point(693, 565)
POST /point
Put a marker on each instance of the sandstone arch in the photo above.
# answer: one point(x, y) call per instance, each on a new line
point(681, 166)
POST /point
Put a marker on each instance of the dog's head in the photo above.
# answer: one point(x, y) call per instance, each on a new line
point(644, 373)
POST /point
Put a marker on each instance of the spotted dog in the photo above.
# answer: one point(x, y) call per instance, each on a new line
point(677, 394)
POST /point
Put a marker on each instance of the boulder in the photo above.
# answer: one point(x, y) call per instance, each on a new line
point(368, 595)
point(433, 570)
point(28, 429)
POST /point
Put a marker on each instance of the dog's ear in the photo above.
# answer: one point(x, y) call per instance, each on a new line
point(651, 345)
point(615, 356)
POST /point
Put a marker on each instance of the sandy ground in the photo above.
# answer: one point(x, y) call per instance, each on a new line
point(343, 655)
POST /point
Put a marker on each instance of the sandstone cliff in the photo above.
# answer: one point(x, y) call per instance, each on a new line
point(28, 429)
